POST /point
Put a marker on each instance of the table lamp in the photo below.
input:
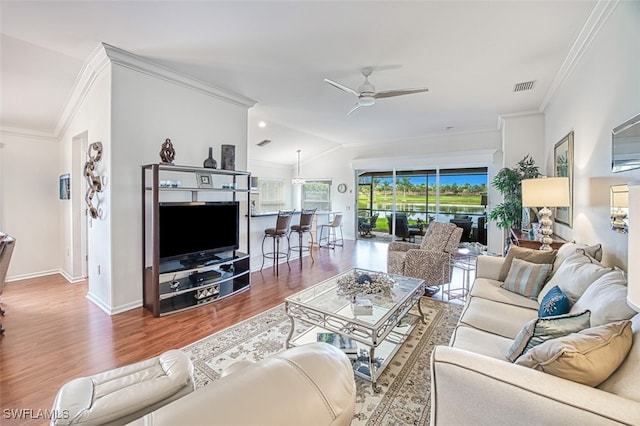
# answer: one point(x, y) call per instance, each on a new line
point(619, 204)
point(545, 193)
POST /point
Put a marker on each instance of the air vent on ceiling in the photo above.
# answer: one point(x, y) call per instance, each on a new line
point(264, 142)
point(521, 87)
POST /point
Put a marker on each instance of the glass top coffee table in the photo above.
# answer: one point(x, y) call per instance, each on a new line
point(371, 336)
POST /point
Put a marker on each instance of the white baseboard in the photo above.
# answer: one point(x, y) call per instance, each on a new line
point(71, 279)
point(33, 275)
point(115, 310)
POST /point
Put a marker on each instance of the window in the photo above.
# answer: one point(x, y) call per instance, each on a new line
point(271, 195)
point(461, 191)
point(316, 194)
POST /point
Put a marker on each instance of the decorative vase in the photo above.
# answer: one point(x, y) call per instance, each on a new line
point(228, 160)
point(210, 163)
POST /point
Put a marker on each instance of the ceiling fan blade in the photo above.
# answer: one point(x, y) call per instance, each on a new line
point(341, 87)
point(355, 107)
point(392, 93)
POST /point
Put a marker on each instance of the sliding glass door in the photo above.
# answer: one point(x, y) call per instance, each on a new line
point(422, 196)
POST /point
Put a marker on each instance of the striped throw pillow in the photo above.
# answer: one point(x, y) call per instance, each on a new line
point(526, 278)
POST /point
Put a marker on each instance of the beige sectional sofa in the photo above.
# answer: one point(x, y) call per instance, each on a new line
point(473, 382)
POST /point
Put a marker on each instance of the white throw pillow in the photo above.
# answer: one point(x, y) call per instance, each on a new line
point(574, 275)
point(567, 249)
point(606, 298)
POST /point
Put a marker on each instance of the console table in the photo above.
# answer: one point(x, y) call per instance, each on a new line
point(524, 241)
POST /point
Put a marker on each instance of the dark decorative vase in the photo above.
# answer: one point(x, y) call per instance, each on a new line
point(228, 160)
point(210, 163)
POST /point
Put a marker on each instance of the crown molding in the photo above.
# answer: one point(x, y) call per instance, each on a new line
point(466, 158)
point(95, 64)
point(138, 63)
point(596, 20)
point(262, 163)
point(28, 133)
point(502, 117)
point(105, 55)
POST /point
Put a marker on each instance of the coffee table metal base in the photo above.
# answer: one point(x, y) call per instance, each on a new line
point(378, 335)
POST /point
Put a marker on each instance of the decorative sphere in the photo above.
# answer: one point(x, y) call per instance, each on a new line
point(364, 278)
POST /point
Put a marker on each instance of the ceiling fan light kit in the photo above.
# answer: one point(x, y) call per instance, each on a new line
point(366, 92)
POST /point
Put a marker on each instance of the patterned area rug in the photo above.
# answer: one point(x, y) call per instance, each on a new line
point(405, 383)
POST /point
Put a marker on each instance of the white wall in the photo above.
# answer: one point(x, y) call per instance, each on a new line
point(29, 202)
point(602, 91)
point(523, 134)
point(451, 150)
point(145, 111)
point(91, 117)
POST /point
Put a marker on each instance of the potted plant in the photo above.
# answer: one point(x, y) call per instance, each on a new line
point(508, 214)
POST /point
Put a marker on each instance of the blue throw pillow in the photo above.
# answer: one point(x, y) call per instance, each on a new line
point(555, 302)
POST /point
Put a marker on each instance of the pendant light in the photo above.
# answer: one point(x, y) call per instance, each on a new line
point(298, 180)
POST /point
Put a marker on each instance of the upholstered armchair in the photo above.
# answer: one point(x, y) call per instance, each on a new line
point(430, 260)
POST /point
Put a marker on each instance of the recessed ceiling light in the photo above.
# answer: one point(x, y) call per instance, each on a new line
point(262, 124)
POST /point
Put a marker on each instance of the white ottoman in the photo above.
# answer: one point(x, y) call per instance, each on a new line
point(124, 394)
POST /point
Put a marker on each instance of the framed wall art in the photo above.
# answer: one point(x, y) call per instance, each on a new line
point(563, 167)
point(65, 187)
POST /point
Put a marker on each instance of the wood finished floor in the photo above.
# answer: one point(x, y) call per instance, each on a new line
point(54, 333)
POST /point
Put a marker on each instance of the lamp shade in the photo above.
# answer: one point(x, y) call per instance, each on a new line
point(633, 252)
point(546, 192)
point(619, 196)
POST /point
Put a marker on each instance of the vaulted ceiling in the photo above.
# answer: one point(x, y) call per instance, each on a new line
point(470, 54)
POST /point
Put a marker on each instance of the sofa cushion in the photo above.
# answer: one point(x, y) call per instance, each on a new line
point(489, 289)
point(530, 255)
point(587, 357)
point(574, 275)
point(480, 342)
point(624, 381)
point(526, 278)
point(497, 318)
point(567, 249)
point(539, 330)
point(606, 298)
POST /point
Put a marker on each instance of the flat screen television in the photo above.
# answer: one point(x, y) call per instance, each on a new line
point(193, 233)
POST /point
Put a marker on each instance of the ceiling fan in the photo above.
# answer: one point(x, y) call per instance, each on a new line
point(367, 94)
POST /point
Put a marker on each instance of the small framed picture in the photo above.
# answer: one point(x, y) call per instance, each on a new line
point(65, 187)
point(204, 180)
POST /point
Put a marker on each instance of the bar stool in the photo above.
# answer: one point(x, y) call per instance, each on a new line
point(281, 230)
point(331, 238)
point(304, 227)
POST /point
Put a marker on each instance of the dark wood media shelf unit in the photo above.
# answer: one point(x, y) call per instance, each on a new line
point(175, 285)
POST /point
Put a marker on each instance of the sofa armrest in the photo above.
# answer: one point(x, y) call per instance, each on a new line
point(304, 385)
point(489, 267)
point(468, 388)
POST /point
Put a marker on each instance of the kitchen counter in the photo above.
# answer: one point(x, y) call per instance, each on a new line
point(263, 220)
